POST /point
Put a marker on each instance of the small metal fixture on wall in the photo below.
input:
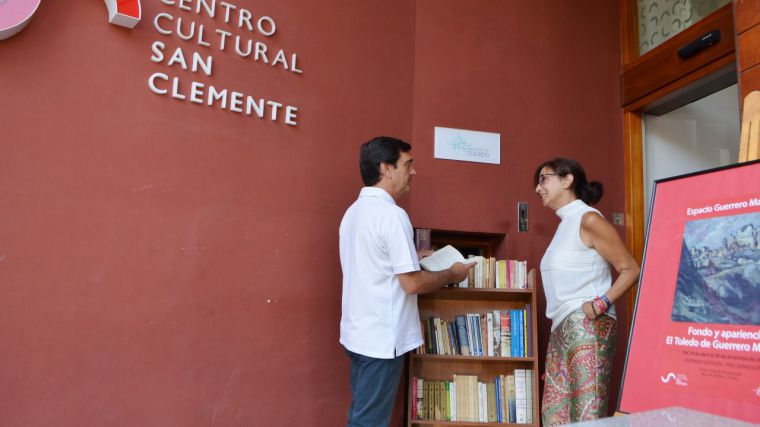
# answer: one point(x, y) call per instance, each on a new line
point(522, 216)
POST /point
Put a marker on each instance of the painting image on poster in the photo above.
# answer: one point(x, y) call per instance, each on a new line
point(719, 271)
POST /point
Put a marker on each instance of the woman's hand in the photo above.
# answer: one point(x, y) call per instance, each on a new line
point(588, 309)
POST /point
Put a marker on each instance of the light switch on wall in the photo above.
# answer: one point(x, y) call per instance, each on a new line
point(618, 218)
point(522, 216)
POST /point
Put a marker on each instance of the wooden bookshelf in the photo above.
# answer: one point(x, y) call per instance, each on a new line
point(450, 302)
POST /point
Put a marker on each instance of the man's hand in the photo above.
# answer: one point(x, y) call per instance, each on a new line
point(460, 271)
point(424, 253)
point(422, 282)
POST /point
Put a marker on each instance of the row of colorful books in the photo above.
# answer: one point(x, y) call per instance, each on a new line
point(497, 274)
point(505, 399)
point(504, 333)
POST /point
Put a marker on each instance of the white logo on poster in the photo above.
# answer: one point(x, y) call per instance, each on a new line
point(680, 379)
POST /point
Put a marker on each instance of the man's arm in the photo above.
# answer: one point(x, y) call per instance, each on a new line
point(422, 282)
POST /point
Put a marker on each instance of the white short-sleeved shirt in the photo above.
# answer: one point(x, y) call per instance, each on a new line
point(376, 243)
point(572, 273)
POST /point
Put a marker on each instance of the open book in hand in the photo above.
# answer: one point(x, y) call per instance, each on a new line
point(442, 259)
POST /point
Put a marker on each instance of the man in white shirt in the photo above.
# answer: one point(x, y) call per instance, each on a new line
point(381, 280)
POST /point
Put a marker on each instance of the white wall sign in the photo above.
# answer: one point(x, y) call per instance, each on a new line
point(467, 145)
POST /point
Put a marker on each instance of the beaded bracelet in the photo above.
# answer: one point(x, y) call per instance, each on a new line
point(598, 305)
point(605, 299)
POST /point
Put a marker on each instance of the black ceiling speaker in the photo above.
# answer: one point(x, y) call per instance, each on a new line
point(699, 44)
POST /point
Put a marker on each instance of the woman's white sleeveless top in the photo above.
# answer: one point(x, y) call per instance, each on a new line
point(571, 272)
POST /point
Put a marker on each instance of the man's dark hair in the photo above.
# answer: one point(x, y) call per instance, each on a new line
point(382, 149)
point(589, 192)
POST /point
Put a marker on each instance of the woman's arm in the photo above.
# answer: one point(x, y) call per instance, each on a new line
point(600, 235)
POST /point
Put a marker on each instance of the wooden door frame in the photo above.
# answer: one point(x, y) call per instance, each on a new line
point(682, 76)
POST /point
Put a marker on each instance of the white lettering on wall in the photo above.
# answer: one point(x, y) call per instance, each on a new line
point(239, 26)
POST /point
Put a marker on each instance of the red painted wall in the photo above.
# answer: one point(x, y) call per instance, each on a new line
point(164, 263)
point(542, 74)
point(170, 264)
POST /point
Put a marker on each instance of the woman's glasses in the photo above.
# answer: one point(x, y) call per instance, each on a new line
point(542, 177)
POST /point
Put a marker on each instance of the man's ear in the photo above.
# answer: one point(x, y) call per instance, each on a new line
point(385, 169)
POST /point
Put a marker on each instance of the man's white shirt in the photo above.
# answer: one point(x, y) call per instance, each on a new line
point(376, 243)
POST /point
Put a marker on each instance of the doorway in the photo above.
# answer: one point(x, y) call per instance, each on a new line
point(700, 135)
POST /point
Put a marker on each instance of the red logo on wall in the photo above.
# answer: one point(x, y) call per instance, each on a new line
point(16, 14)
point(124, 12)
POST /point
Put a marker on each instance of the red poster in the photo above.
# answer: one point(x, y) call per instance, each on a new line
point(695, 340)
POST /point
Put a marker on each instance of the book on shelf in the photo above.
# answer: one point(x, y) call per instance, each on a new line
point(464, 345)
point(490, 273)
point(418, 407)
point(529, 394)
point(422, 239)
point(529, 330)
point(521, 397)
point(491, 391)
point(505, 398)
point(511, 399)
point(489, 332)
point(496, 326)
point(499, 333)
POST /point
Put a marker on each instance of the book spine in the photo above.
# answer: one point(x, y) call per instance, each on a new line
point(453, 400)
point(529, 328)
point(462, 335)
point(491, 407)
point(471, 334)
point(453, 339)
point(504, 399)
point(520, 397)
point(482, 417)
point(498, 279)
point(436, 400)
point(425, 413)
point(420, 402)
point(529, 394)
point(442, 326)
point(513, 325)
point(521, 329)
point(438, 336)
point(445, 414)
point(504, 334)
point(503, 274)
point(483, 335)
point(422, 238)
point(525, 331)
point(496, 333)
point(414, 398)
point(512, 398)
point(489, 334)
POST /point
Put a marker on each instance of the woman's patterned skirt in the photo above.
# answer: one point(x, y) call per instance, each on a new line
point(578, 366)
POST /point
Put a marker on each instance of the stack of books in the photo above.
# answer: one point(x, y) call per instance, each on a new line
point(501, 333)
point(504, 399)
